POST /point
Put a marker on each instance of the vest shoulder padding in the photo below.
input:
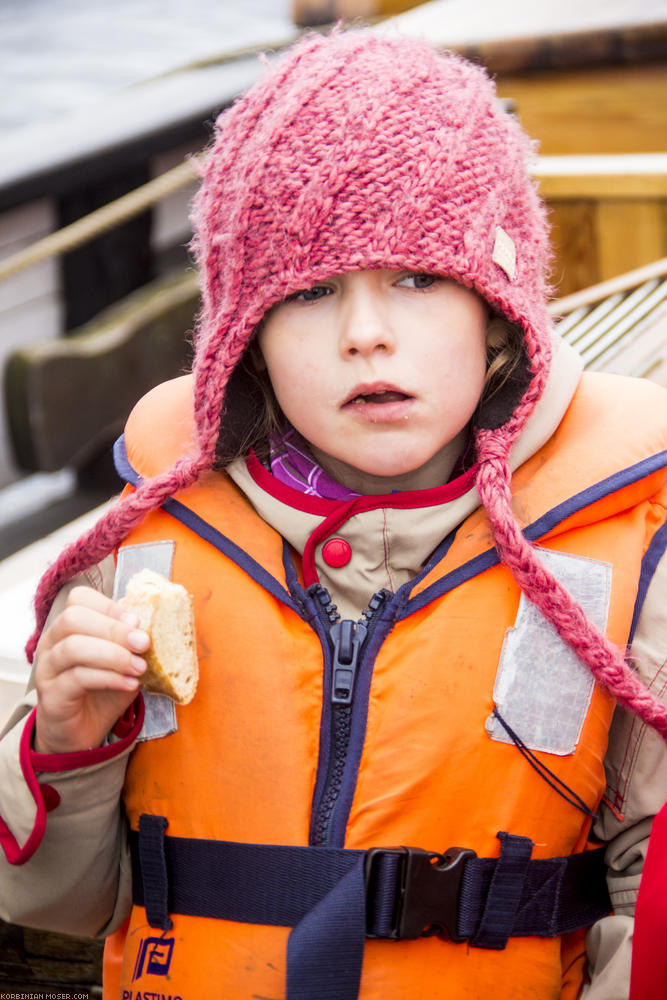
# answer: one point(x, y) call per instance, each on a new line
point(161, 427)
point(626, 415)
point(611, 446)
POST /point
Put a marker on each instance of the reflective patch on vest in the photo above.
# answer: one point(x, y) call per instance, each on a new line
point(542, 688)
point(160, 717)
point(158, 556)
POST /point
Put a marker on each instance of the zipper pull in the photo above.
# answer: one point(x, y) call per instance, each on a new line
point(323, 597)
point(347, 637)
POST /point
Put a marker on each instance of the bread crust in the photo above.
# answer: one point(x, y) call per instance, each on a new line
point(165, 610)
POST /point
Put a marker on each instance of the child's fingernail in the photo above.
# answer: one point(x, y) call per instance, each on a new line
point(138, 641)
point(138, 664)
point(129, 618)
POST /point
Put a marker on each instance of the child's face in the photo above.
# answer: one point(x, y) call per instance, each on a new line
point(379, 369)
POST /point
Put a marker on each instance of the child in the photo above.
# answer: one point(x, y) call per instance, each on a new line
point(397, 647)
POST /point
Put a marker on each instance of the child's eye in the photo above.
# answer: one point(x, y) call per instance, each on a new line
point(418, 280)
point(310, 294)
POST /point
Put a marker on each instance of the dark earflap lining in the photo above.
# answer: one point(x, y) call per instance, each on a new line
point(499, 401)
point(244, 421)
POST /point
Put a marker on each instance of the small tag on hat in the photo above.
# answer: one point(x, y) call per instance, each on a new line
point(504, 253)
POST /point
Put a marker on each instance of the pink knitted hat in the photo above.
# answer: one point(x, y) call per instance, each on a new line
point(356, 151)
point(359, 152)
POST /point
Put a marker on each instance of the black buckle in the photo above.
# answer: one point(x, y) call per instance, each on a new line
point(428, 890)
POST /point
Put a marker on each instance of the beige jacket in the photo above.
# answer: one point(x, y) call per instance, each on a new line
point(78, 881)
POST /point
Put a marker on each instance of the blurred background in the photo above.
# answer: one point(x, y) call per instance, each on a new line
point(103, 106)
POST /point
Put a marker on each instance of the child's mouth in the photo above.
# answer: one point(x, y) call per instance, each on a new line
point(379, 404)
point(380, 396)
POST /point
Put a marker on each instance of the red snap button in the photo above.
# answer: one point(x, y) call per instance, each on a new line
point(50, 797)
point(336, 552)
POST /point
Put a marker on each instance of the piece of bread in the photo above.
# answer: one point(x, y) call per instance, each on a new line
point(165, 611)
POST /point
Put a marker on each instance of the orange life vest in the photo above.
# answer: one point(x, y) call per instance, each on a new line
point(425, 765)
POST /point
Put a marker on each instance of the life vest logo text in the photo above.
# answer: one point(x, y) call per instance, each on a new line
point(154, 958)
point(147, 995)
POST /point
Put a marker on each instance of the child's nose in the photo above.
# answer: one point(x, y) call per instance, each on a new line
point(365, 327)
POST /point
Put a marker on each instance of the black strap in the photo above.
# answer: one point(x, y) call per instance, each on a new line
point(154, 878)
point(325, 950)
point(249, 883)
point(504, 896)
point(333, 899)
point(279, 885)
point(559, 895)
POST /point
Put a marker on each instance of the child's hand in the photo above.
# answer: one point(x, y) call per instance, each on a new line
point(87, 672)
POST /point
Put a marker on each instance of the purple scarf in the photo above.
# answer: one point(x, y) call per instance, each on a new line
point(293, 465)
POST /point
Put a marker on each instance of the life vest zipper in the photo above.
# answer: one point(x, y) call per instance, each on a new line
point(348, 640)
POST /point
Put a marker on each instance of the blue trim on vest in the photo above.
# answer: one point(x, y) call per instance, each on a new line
point(324, 745)
point(537, 529)
point(291, 573)
point(123, 467)
point(207, 532)
point(652, 557)
point(230, 549)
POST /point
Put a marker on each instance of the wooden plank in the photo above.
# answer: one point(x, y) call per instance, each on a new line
point(573, 236)
point(603, 176)
point(644, 356)
point(588, 296)
point(525, 36)
point(594, 241)
point(604, 186)
point(106, 367)
point(42, 961)
point(629, 234)
point(448, 22)
point(606, 109)
point(569, 50)
point(610, 323)
point(621, 325)
point(608, 214)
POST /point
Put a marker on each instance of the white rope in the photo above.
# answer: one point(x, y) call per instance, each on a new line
point(102, 219)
